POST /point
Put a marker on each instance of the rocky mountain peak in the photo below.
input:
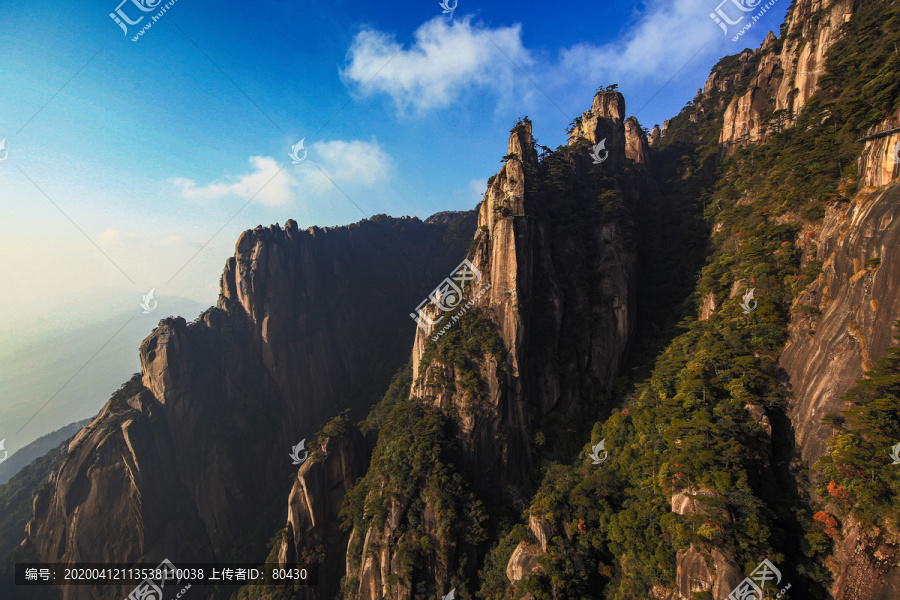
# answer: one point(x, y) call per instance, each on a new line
point(604, 118)
point(604, 124)
point(525, 336)
point(609, 105)
point(308, 323)
point(787, 73)
point(521, 142)
point(637, 148)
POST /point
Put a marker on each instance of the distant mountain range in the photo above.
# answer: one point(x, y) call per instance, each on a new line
point(39, 447)
point(711, 304)
point(78, 368)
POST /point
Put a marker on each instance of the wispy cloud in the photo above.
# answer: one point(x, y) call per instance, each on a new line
point(363, 163)
point(448, 60)
point(353, 163)
point(444, 61)
point(478, 187)
point(264, 181)
point(666, 35)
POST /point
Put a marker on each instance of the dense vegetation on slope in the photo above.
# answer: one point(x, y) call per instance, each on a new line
point(413, 474)
point(691, 427)
point(701, 411)
point(462, 347)
point(860, 477)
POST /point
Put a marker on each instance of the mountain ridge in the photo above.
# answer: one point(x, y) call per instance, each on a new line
point(601, 302)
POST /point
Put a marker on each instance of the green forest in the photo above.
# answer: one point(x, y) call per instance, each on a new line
point(700, 411)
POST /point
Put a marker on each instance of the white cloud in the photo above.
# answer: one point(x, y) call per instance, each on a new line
point(348, 164)
point(445, 61)
point(363, 163)
point(664, 38)
point(266, 183)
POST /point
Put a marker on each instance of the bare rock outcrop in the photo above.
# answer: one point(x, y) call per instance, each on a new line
point(787, 73)
point(524, 560)
point(543, 530)
point(879, 163)
point(604, 121)
point(865, 565)
point(605, 115)
point(723, 82)
point(842, 321)
point(120, 470)
point(515, 252)
point(693, 574)
point(313, 532)
point(637, 148)
point(196, 448)
point(708, 306)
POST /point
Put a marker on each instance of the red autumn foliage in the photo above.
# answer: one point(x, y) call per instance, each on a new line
point(831, 524)
point(838, 492)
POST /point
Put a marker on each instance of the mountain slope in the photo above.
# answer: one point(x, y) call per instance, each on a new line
point(17, 494)
point(43, 368)
point(36, 449)
point(618, 395)
point(703, 480)
point(701, 487)
point(506, 375)
point(189, 457)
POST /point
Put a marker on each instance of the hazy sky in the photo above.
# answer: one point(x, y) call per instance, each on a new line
point(135, 165)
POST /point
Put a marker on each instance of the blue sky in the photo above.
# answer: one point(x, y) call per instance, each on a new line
point(129, 160)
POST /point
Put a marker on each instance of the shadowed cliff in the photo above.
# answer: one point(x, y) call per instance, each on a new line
point(189, 460)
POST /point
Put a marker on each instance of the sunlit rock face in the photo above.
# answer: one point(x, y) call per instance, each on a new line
point(787, 73)
point(856, 302)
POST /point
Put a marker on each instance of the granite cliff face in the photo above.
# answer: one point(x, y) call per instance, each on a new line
point(193, 453)
point(637, 146)
point(842, 322)
point(865, 565)
point(879, 163)
point(694, 573)
point(604, 122)
point(313, 533)
point(119, 470)
point(517, 253)
point(515, 357)
point(786, 71)
point(562, 338)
